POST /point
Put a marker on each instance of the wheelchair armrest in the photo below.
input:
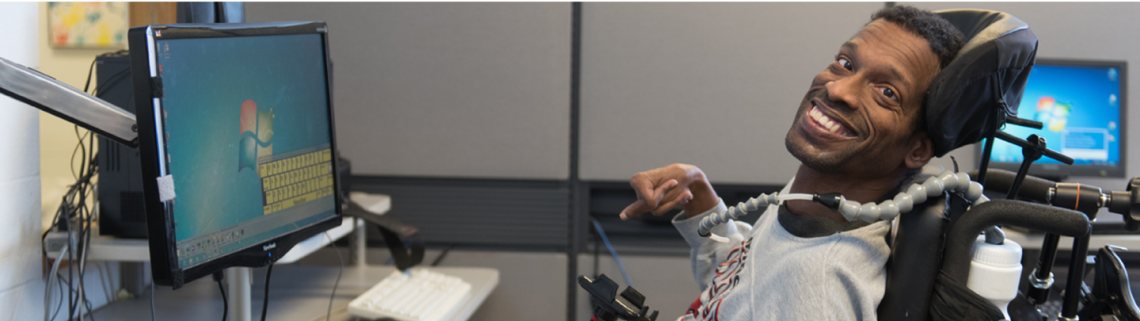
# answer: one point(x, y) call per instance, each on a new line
point(960, 239)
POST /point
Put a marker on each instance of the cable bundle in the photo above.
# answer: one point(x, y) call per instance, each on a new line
point(75, 215)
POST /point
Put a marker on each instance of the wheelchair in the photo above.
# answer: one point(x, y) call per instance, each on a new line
point(931, 245)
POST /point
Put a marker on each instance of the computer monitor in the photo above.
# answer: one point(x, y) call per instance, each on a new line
point(1082, 105)
point(236, 143)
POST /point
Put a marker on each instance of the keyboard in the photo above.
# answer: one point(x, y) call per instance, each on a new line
point(416, 295)
point(290, 180)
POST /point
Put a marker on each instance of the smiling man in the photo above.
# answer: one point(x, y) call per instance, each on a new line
point(857, 132)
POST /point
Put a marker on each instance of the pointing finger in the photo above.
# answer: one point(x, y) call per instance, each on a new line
point(635, 209)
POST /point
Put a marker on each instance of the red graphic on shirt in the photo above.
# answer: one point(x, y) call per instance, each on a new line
point(707, 306)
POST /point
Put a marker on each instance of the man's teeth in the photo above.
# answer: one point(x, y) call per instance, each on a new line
point(831, 125)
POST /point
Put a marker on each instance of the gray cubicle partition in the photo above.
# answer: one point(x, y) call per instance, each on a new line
point(460, 111)
point(710, 84)
point(468, 90)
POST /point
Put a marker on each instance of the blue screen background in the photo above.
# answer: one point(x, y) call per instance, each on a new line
point(206, 81)
point(1089, 91)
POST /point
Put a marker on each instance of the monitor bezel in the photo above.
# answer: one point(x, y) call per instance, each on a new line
point(1060, 171)
point(163, 245)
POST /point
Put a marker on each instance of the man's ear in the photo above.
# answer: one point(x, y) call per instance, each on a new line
point(920, 152)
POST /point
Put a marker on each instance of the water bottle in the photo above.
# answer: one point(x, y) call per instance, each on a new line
point(995, 272)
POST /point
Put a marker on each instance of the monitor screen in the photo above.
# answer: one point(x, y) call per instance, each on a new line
point(1080, 104)
point(246, 141)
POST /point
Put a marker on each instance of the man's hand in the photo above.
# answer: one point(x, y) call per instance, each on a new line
point(662, 189)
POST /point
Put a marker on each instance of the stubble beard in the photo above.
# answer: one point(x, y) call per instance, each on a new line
point(824, 161)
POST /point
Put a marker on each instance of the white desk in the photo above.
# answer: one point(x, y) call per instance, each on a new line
point(106, 248)
point(296, 293)
point(357, 278)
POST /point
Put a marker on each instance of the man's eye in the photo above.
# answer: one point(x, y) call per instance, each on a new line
point(889, 93)
point(845, 63)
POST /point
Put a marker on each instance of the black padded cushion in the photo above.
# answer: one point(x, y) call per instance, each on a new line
point(916, 257)
point(962, 102)
point(954, 301)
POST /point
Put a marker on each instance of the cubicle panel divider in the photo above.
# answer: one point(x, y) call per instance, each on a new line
point(465, 90)
point(528, 214)
point(478, 212)
point(716, 85)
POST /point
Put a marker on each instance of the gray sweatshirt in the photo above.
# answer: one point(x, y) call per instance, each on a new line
point(786, 267)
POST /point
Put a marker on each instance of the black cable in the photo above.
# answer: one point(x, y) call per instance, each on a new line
point(265, 302)
point(152, 298)
point(113, 79)
point(84, 214)
point(90, 70)
point(87, 303)
point(71, 289)
point(73, 299)
point(77, 216)
point(75, 150)
point(70, 260)
point(86, 230)
point(74, 236)
point(442, 254)
point(83, 301)
point(83, 220)
point(225, 301)
point(328, 315)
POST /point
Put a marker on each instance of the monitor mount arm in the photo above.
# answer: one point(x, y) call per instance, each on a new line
point(73, 105)
point(395, 233)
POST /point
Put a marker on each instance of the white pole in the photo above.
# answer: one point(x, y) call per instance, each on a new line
point(21, 286)
point(239, 280)
point(361, 245)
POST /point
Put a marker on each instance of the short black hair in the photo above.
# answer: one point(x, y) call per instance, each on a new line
point(944, 39)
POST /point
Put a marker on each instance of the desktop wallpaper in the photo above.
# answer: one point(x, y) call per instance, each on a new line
point(1080, 110)
point(229, 101)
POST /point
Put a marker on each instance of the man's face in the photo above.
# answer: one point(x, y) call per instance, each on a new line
point(858, 118)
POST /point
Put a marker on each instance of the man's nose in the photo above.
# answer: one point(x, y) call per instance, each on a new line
point(845, 91)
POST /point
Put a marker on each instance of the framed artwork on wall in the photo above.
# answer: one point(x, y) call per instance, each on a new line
point(87, 24)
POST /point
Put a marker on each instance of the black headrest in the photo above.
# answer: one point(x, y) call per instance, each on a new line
point(963, 100)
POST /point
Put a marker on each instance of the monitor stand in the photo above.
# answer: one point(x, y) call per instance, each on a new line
point(239, 280)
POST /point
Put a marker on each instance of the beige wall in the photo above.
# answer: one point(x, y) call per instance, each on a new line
point(56, 142)
point(57, 137)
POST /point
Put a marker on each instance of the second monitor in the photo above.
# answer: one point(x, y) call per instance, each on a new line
point(1082, 105)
